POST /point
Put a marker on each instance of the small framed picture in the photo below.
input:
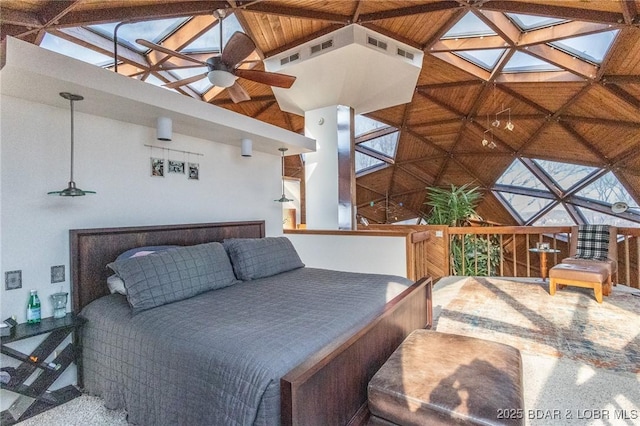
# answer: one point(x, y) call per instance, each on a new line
point(176, 166)
point(12, 280)
point(157, 167)
point(57, 274)
point(194, 171)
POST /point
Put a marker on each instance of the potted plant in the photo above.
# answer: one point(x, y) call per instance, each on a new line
point(456, 206)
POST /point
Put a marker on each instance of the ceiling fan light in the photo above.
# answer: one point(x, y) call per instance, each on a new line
point(221, 78)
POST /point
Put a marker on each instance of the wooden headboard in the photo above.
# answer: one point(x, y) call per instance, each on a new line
point(92, 249)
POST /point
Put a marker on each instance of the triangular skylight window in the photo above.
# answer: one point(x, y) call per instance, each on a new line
point(607, 189)
point(591, 48)
point(469, 26)
point(385, 145)
point(210, 40)
point(523, 62)
point(154, 31)
point(531, 22)
point(564, 174)
point(365, 162)
point(60, 45)
point(364, 124)
point(557, 216)
point(597, 218)
point(518, 175)
point(374, 136)
point(525, 206)
point(487, 58)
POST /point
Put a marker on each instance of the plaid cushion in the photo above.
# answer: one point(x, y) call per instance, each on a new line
point(593, 242)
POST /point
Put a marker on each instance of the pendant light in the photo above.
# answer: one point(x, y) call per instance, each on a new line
point(71, 190)
point(283, 199)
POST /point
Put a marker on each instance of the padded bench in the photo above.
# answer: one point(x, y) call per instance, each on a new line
point(593, 276)
point(436, 378)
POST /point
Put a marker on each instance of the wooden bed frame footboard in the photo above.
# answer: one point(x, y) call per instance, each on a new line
point(330, 388)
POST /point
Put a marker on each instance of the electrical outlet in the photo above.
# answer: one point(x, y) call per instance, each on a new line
point(57, 274)
point(13, 280)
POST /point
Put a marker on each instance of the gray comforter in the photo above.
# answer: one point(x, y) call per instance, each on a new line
point(217, 358)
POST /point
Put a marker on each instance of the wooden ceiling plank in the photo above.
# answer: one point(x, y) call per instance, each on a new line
point(149, 11)
point(441, 104)
point(294, 12)
point(263, 98)
point(449, 85)
point(20, 18)
point(602, 121)
point(508, 90)
point(621, 79)
point(410, 10)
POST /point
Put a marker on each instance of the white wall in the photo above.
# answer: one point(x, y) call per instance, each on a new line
point(110, 158)
point(353, 253)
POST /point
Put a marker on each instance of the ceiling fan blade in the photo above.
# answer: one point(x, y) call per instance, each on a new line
point(237, 49)
point(237, 93)
point(270, 78)
point(189, 80)
point(159, 48)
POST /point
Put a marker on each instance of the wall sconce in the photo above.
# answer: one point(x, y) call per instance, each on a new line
point(164, 129)
point(246, 149)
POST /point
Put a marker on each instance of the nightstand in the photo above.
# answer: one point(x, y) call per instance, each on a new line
point(35, 398)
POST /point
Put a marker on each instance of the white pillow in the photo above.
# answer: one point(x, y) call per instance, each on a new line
point(116, 285)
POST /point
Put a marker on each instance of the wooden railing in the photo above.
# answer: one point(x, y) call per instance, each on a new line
point(508, 250)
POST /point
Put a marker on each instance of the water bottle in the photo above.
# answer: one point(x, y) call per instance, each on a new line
point(33, 308)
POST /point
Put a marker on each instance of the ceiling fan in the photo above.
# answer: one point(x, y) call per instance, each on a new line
point(224, 69)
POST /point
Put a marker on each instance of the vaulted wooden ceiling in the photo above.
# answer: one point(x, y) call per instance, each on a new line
point(583, 112)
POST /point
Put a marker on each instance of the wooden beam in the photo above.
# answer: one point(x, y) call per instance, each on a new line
point(561, 31)
point(463, 64)
point(410, 10)
point(499, 23)
point(470, 43)
point(629, 11)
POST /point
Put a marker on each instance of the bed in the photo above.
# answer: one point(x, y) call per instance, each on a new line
point(283, 358)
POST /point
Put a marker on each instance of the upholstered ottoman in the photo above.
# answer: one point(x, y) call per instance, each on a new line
point(595, 276)
point(437, 378)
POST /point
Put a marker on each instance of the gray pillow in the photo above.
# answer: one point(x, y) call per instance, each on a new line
point(254, 258)
point(174, 274)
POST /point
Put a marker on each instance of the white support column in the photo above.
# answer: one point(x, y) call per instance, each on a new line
point(330, 171)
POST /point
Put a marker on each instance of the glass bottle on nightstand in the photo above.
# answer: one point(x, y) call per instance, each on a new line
point(33, 308)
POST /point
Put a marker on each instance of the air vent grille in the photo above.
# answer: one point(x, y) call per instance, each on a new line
point(290, 58)
point(405, 54)
point(322, 46)
point(374, 42)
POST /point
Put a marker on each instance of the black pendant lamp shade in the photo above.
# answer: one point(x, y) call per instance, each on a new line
point(71, 190)
point(283, 198)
